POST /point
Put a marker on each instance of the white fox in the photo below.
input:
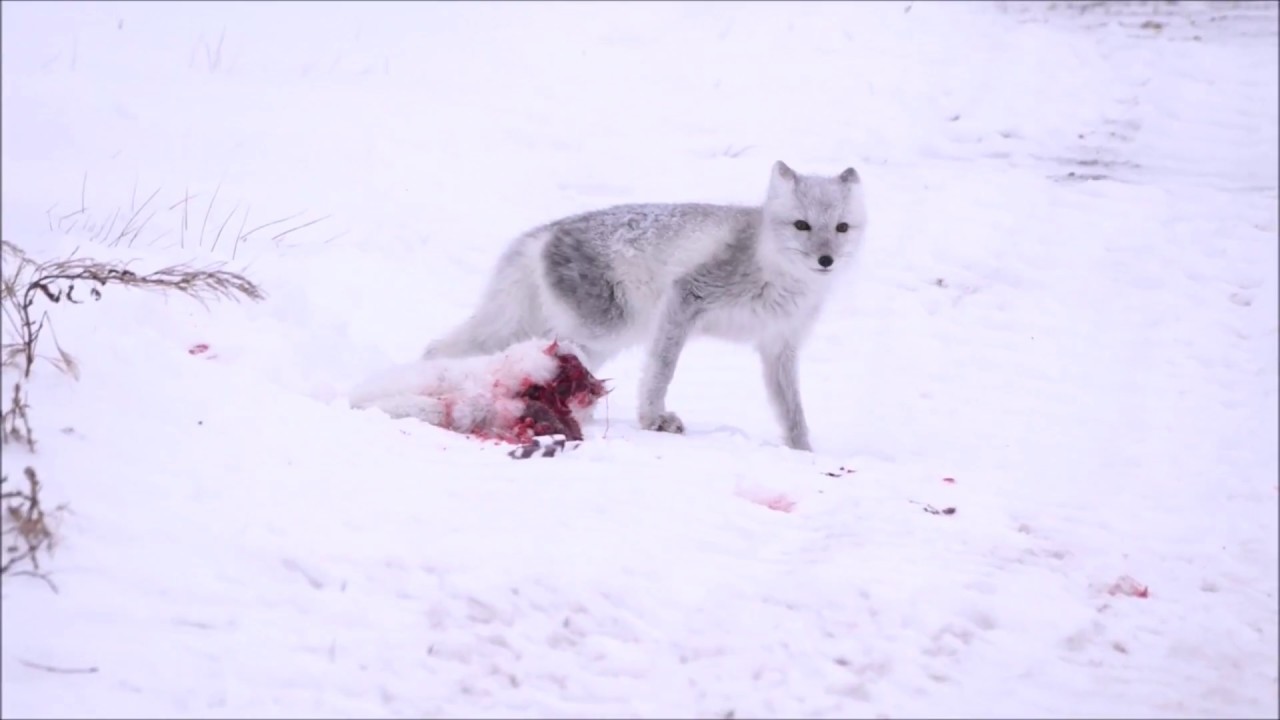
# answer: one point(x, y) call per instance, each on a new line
point(609, 279)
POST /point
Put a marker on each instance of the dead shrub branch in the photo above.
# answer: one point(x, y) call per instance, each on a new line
point(77, 279)
point(26, 526)
point(27, 290)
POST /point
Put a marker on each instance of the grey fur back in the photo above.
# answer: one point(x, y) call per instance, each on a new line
point(600, 262)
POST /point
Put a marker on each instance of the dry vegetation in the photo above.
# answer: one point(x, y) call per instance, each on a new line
point(28, 290)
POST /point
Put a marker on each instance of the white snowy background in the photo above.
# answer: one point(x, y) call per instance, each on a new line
point(1067, 305)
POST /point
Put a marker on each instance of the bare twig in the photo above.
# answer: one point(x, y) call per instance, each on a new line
point(70, 215)
point(37, 575)
point(106, 233)
point(303, 225)
point(208, 210)
point(52, 669)
point(26, 527)
point(274, 222)
point(213, 55)
point(17, 424)
point(183, 201)
point(240, 233)
point(134, 216)
point(186, 200)
point(222, 227)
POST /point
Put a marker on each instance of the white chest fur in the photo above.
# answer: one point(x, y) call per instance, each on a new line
point(776, 309)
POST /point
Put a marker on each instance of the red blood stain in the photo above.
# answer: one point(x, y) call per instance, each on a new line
point(548, 407)
point(778, 502)
point(949, 480)
point(198, 349)
point(1125, 585)
point(781, 503)
point(449, 404)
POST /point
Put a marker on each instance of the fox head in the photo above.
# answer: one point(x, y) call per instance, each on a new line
point(815, 223)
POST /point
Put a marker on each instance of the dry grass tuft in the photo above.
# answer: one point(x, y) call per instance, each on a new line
point(25, 528)
point(24, 285)
point(72, 279)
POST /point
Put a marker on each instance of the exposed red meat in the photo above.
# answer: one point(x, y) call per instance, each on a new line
point(549, 406)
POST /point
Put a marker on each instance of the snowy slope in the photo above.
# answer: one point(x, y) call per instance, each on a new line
point(1067, 305)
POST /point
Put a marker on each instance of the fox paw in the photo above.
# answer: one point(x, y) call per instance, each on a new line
point(663, 422)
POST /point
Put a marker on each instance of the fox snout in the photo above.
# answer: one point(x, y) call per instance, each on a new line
point(822, 254)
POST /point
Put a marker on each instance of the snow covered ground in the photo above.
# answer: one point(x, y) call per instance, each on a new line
point(1067, 305)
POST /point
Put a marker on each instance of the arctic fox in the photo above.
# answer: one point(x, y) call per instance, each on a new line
point(610, 279)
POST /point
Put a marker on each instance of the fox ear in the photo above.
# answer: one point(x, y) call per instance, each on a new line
point(783, 171)
point(850, 176)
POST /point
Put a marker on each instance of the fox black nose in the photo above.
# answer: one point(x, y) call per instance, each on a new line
point(825, 260)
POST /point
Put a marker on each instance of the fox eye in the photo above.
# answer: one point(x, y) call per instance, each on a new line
point(842, 227)
point(802, 225)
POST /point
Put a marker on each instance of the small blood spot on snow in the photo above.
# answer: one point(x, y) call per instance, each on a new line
point(949, 480)
point(776, 501)
point(781, 503)
point(198, 349)
point(1125, 585)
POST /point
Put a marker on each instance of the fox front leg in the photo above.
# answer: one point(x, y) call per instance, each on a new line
point(782, 384)
point(674, 325)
